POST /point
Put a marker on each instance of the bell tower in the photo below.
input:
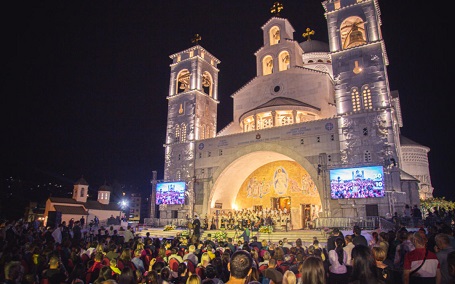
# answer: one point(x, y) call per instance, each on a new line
point(192, 109)
point(369, 124)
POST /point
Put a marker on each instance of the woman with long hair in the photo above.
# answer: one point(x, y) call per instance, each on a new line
point(363, 266)
point(312, 271)
point(338, 272)
point(127, 277)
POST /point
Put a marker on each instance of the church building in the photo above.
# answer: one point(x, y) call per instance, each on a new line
point(315, 133)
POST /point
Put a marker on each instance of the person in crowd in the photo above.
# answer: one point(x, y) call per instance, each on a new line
point(211, 274)
point(348, 249)
point(289, 277)
point(239, 267)
point(451, 264)
point(127, 276)
point(56, 273)
point(312, 271)
point(272, 274)
point(421, 264)
point(338, 273)
point(190, 255)
point(364, 266)
point(443, 248)
point(246, 235)
point(106, 273)
point(194, 279)
point(336, 233)
point(137, 260)
point(165, 274)
point(182, 274)
point(358, 238)
point(374, 239)
point(13, 272)
point(196, 227)
point(384, 272)
point(383, 241)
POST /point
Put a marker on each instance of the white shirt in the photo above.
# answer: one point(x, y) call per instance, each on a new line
point(348, 249)
point(335, 266)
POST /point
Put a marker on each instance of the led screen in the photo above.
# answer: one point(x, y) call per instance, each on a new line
point(170, 192)
point(362, 182)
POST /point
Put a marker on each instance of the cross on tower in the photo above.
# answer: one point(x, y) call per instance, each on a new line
point(276, 8)
point(196, 38)
point(308, 33)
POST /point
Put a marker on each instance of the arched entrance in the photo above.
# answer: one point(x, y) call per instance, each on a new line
point(268, 181)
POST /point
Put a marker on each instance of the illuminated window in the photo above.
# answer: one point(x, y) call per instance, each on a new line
point(366, 97)
point(286, 120)
point(355, 98)
point(285, 61)
point(274, 35)
point(267, 122)
point(177, 133)
point(183, 81)
point(183, 132)
point(267, 65)
point(207, 83)
point(352, 32)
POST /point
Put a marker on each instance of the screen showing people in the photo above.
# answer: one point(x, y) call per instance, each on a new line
point(170, 193)
point(362, 182)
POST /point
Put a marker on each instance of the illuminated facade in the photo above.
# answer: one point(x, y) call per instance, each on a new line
point(310, 108)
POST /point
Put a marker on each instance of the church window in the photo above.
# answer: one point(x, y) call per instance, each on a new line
point(200, 155)
point(355, 98)
point(208, 134)
point(365, 131)
point(220, 153)
point(332, 137)
point(274, 34)
point(179, 58)
point(286, 120)
point(177, 133)
point(183, 81)
point(181, 109)
point(366, 97)
point(320, 60)
point(207, 84)
point(183, 133)
point(82, 192)
point(302, 142)
point(202, 131)
point(310, 61)
point(180, 157)
point(209, 154)
point(267, 65)
point(285, 61)
point(191, 53)
point(329, 158)
point(352, 32)
point(318, 139)
point(267, 122)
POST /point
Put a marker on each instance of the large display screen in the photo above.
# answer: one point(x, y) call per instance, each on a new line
point(170, 193)
point(362, 182)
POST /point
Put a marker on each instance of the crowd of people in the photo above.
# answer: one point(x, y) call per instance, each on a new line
point(37, 255)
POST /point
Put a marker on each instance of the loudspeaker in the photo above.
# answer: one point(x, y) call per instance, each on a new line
point(54, 218)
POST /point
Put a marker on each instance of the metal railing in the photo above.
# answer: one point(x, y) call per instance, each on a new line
point(346, 223)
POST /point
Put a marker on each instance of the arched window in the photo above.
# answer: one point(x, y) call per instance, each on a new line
point(207, 84)
point(366, 97)
point(267, 122)
point(208, 134)
point(274, 34)
point(82, 192)
point(355, 98)
point(267, 65)
point(285, 61)
point(203, 131)
point(183, 81)
point(352, 32)
point(177, 133)
point(183, 132)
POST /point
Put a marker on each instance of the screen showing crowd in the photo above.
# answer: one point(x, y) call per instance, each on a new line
point(362, 182)
point(170, 193)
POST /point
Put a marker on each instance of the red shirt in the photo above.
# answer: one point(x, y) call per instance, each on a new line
point(414, 258)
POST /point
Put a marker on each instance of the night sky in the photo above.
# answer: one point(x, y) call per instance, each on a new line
point(86, 91)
